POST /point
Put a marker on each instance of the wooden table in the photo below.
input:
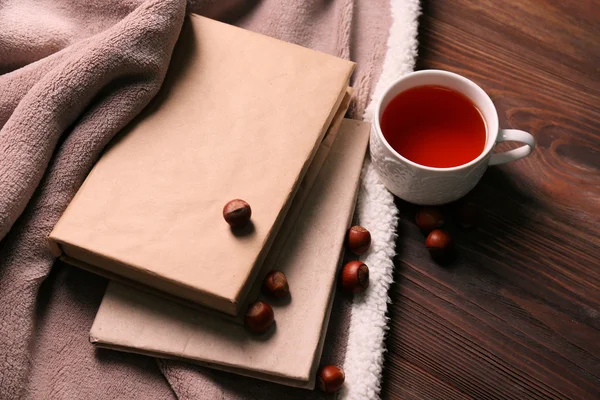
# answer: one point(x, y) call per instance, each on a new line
point(517, 316)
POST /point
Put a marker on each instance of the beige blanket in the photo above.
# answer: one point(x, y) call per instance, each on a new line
point(73, 73)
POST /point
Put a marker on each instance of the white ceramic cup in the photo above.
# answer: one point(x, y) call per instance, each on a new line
point(421, 184)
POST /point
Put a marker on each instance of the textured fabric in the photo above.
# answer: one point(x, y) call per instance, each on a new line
point(377, 212)
point(57, 114)
point(73, 73)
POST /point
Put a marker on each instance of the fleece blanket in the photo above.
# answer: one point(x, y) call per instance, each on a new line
point(72, 74)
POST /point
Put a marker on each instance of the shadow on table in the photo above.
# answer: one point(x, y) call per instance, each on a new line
point(424, 25)
point(505, 212)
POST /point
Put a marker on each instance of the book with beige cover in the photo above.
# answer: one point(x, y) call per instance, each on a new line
point(240, 115)
point(136, 321)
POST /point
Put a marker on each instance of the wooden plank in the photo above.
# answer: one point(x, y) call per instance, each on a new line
point(517, 316)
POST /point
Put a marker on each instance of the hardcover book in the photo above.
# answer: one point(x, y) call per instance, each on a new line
point(240, 115)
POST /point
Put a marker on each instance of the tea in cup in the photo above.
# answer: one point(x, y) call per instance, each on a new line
point(433, 134)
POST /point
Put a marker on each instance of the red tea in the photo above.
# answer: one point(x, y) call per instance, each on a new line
point(434, 126)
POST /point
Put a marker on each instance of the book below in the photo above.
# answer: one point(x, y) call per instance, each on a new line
point(135, 321)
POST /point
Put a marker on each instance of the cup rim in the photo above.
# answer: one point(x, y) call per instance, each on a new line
point(491, 135)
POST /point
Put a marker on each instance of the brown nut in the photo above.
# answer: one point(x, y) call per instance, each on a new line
point(259, 317)
point(429, 218)
point(358, 239)
point(440, 245)
point(276, 285)
point(237, 213)
point(330, 378)
point(355, 277)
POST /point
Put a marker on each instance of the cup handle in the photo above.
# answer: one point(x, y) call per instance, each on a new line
point(513, 135)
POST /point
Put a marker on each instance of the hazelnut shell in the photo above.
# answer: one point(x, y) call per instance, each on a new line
point(355, 277)
point(276, 285)
point(237, 213)
point(259, 317)
point(429, 218)
point(440, 245)
point(330, 378)
point(358, 239)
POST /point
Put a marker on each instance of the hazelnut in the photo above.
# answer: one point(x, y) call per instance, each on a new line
point(237, 213)
point(358, 239)
point(429, 218)
point(330, 378)
point(355, 277)
point(440, 246)
point(259, 317)
point(276, 285)
point(467, 215)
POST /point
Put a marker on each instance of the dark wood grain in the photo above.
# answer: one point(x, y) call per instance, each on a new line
point(517, 316)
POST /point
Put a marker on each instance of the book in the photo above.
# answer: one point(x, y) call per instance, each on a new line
point(136, 321)
point(240, 115)
point(271, 259)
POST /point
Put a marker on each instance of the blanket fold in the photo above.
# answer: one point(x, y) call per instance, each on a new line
point(73, 73)
point(65, 109)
